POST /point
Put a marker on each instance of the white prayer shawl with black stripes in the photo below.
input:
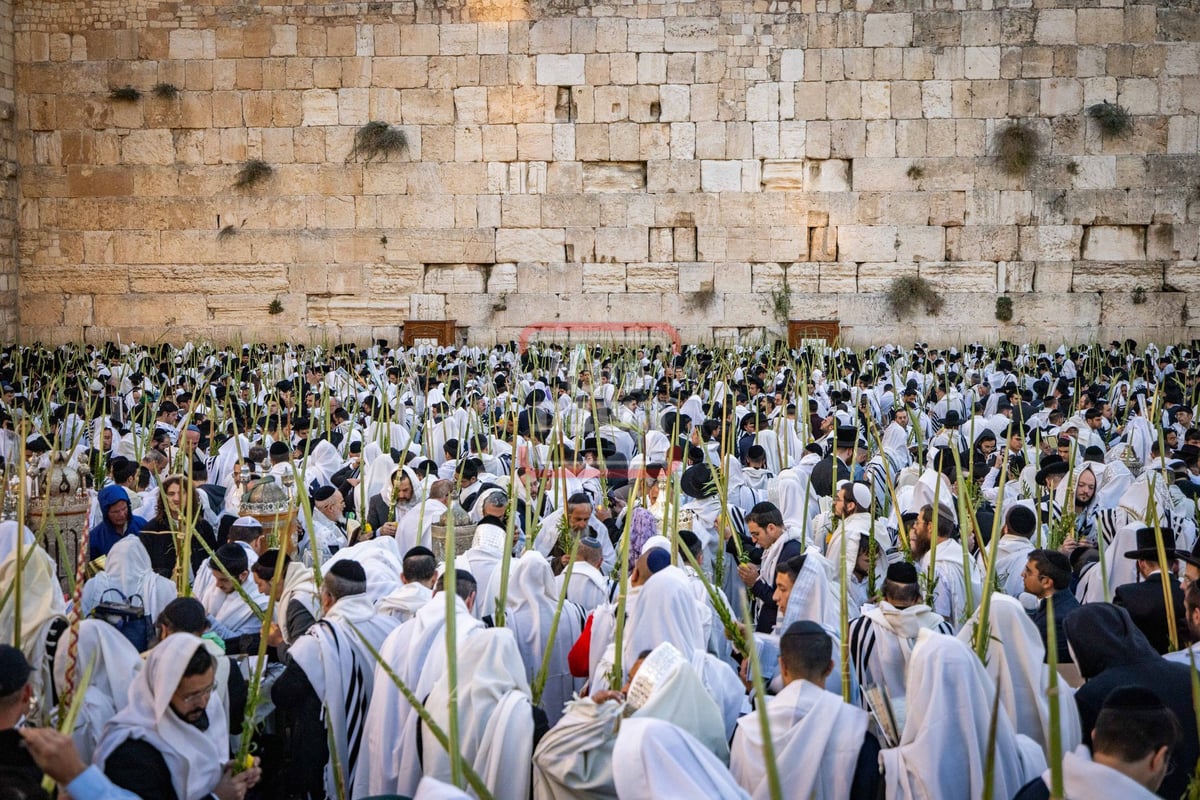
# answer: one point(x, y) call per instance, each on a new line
point(341, 672)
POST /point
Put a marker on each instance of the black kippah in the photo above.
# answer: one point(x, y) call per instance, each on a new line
point(349, 570)
point(323, 493)
point(902, 572)
point(419, 550)
point(1134, 698)
point(278, 449)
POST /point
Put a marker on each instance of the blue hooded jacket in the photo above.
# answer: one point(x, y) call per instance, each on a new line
point(102, 537)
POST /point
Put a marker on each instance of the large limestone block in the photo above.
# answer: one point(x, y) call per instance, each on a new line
point(721, 176)
point(560, 70)
point(866, 243)
point(878, 277)
point(887, 30)
point(534, 244)
point(838, 277)
point(1183, 276)
point(686, 34)
point(453, 279)
point(622, 244)
point(1114, 242)
point(209, 278)
point(1094, 276)
point(1051, 242)
point(444, 246)
point(960, 276)
point(661, 278)
point(828, 175)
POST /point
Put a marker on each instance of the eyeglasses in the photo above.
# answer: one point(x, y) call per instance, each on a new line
point(203, 694)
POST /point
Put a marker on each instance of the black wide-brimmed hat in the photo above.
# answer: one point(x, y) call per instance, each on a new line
point(1147, 545)
point(697, 482)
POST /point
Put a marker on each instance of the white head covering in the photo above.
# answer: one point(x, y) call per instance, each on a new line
point(127, 569)
point(194, 757)
point(659, 759)
point(322, 463)
point(945, 738)
point(665, 612)
point(1016, 662)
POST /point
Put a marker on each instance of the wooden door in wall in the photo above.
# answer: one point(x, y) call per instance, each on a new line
point(807, 331)
point(438, 332)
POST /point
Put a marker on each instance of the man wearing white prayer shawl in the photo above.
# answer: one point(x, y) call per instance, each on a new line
point(325, 688)
point(574, 760)
point(42, 608)
point(230, 615)
point(944, 745)
point(588, 587)
point(420, 571)
point(496, 720)
point(416, 654)
point(529, 614)
point(127, 569)
point(416, 526)
point(659, 759)
point(1016, 662)
point(1014, 547)
point(297, 604)
point(954, 586)
point(822, 747)
point(171, 740)
point(1131, 752)
point(117, 663)
point(882, 639)
point(379, 559)
point(484, 557)
point(581, 521)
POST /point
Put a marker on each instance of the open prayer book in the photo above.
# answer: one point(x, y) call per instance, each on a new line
point(888, 718)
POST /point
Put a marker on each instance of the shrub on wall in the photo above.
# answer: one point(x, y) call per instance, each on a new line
point(1004, 308)
point(906, 294)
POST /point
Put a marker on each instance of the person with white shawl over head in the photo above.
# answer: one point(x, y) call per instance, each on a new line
point(297, 604)
point(495, 727)
point(173, 735)
point(529, 614)
point(114, 662)
point(416, 526)
point(330, 677)
point(416, 653)
point(821, 745)
point(659, 759)
point(1016, 662)
point(575, 759)
point(945, 739)
point(127, 570)
point(42, 607)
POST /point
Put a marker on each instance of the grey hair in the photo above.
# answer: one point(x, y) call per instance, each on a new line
point(496, 498)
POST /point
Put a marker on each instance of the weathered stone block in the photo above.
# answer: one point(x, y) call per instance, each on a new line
point(866, 243)
point(536, 244)
point(1114, 242)
point(560, 70)
point(1092, 276)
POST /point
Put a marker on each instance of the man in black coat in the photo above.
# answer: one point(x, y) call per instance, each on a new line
point(822, 477)
point(1144, 600)
point(1110, 652)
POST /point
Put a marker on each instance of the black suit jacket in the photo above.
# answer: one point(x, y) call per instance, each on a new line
point(1145, 603)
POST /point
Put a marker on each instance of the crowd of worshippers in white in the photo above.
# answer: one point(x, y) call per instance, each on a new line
point(843, 503)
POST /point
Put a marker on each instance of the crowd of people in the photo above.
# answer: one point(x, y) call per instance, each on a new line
point(601, 572)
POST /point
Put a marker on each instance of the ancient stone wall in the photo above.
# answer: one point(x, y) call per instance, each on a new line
point(719, 165)
point(8, 176)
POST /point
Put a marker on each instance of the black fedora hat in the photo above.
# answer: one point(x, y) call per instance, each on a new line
point(1051, 465)
point(846, 436)
point(697, 481)
point(952, 419)
point(1193, 557)
point(1147, 545)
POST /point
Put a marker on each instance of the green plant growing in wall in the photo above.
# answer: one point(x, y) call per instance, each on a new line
point(125, 94)
point(253, 172)
point(275, 307)
point(781, 303)
point(1004, 308)
point(1017, 147)
point(1139, 296)
point(377, 139)
point(165, 91)
point(905, 294)
point(915, 172)
point(1114, 120)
